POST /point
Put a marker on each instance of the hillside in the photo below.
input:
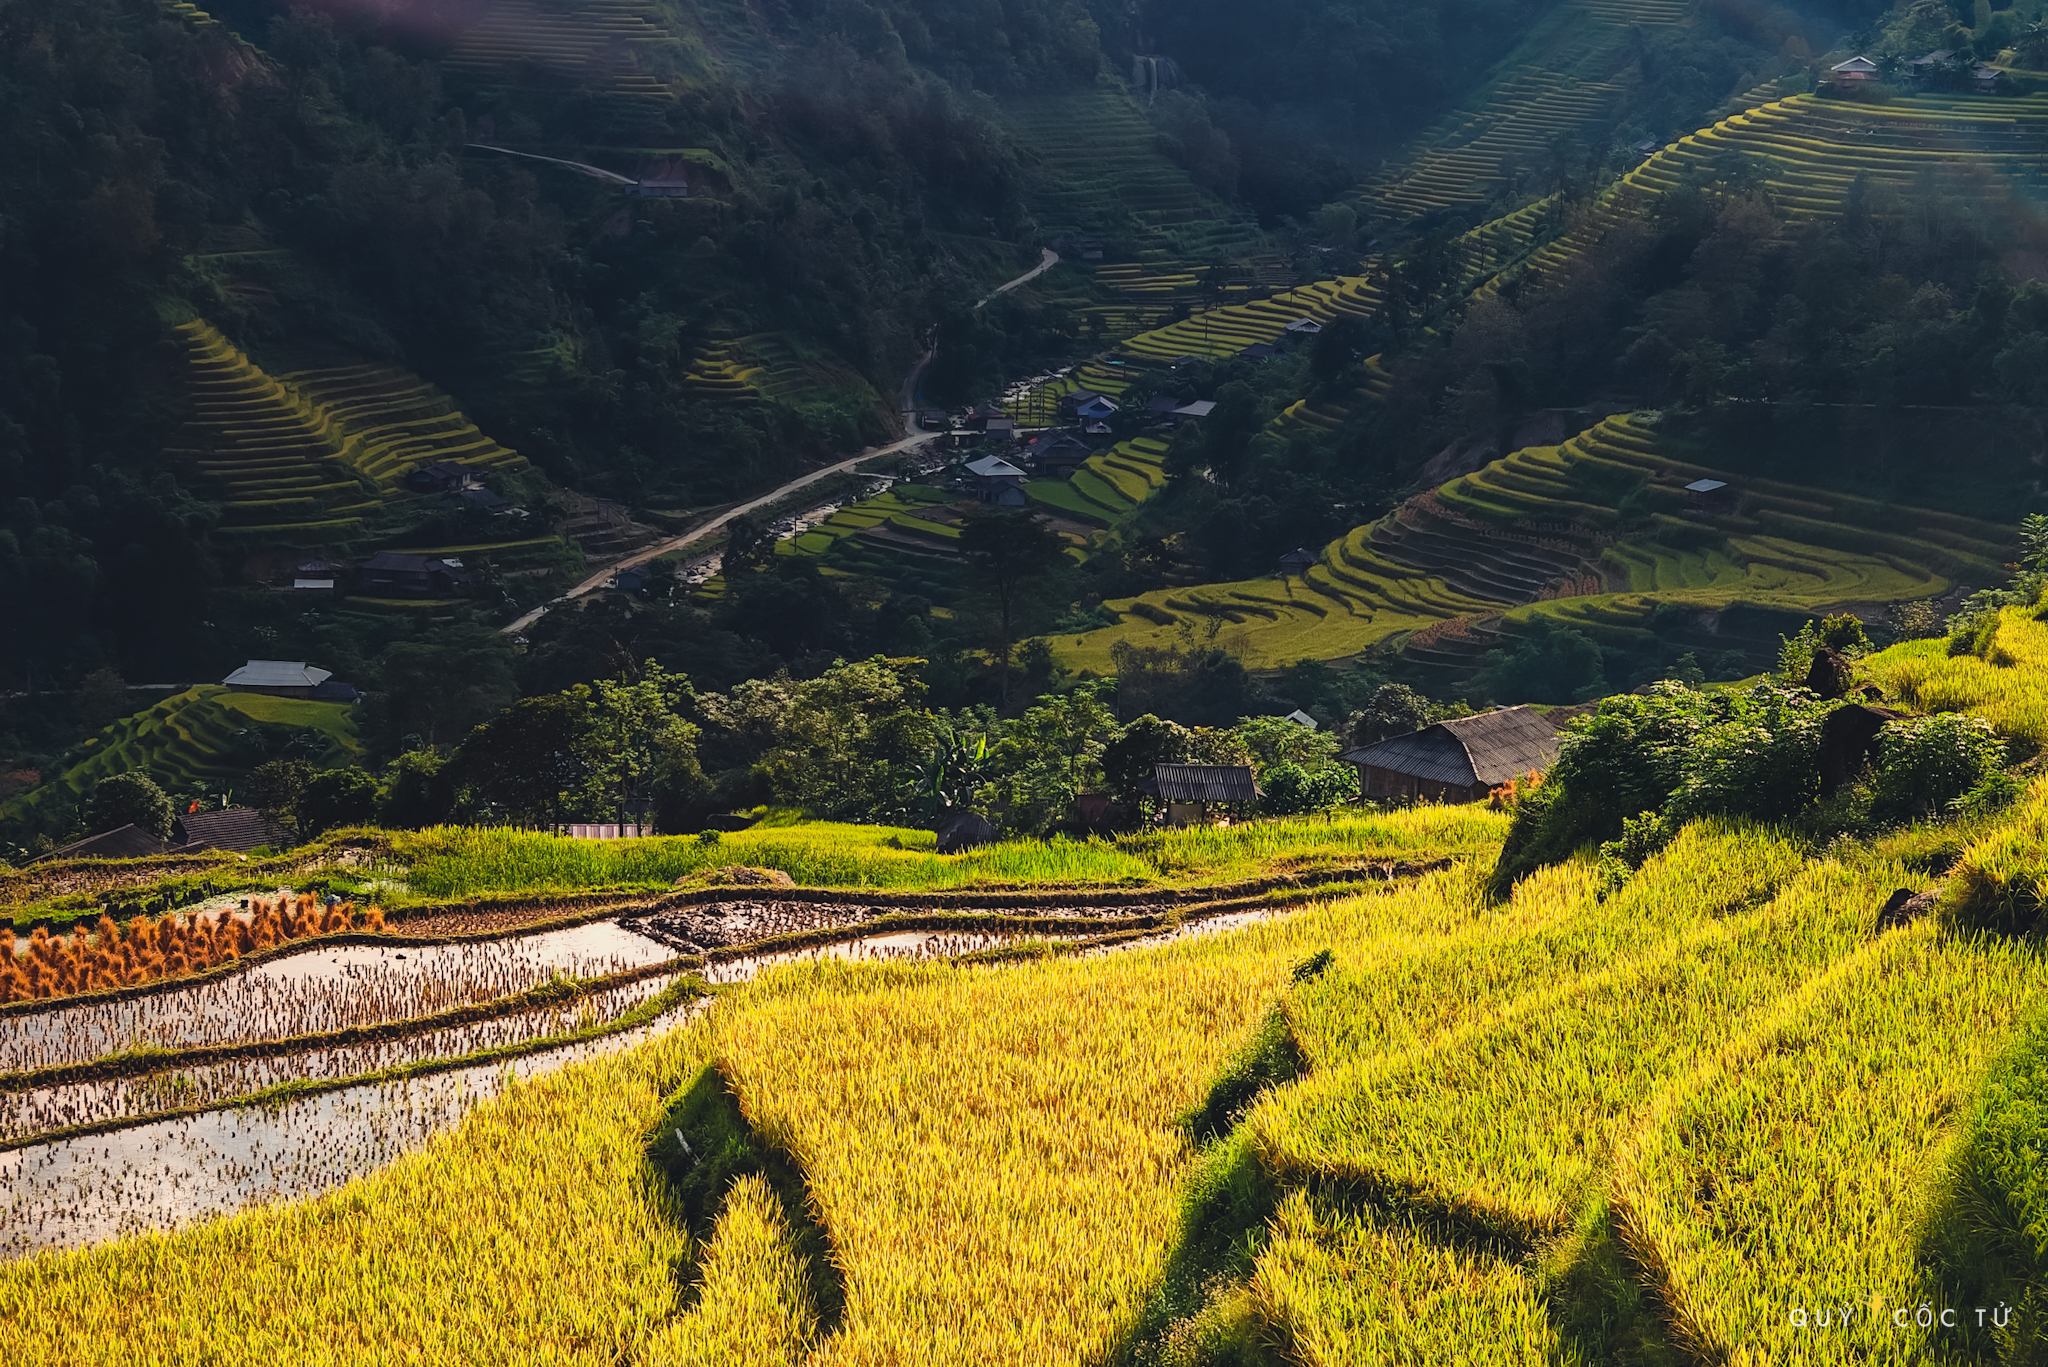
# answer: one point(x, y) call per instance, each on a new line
point(1599, 535)
point(203, 740)
point(1284, 1092)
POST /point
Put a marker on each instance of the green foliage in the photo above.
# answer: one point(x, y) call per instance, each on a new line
point(1677, 755)
point(129, 799)
point(612, 751)
point(418, 791)
point(1050, 756)
point(1928, 764)
point(1988, 1237)
point(338, 797)
point(1842, 633)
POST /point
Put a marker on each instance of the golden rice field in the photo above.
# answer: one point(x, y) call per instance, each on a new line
point(1721, 1071)
point(1540, 536)
point(1670, 1122)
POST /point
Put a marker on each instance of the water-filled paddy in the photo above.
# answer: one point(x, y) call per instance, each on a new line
point(316, 989)
point(168, 1173)
point(28, 1113)
point(160, 1174)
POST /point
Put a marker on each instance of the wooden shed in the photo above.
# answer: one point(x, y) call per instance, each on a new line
point(1461, 760)
point(1191, 791)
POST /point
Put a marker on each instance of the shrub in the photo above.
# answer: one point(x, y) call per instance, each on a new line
point(1292, 788)
point(1927, 763)
point(1673, 752)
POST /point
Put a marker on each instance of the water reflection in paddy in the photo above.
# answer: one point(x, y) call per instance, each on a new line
point(321, 989)
point(163, 1174)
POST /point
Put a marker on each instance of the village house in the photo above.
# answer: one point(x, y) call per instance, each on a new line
point(390, 572)
point(1460, 760)
point(1193, 793)
point(441, 477)
point(1857, 71)
point(236, 829)
point(1304, 327)
point(1056, 453)
point(1086, 403)
point(1298, 561)
point(997, 481)
point(316, 579)
point(278, 678)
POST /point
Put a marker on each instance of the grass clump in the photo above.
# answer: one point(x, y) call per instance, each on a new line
point(1989, 1237)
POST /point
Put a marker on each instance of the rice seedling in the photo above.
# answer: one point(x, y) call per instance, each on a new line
point(1776, 1196)
point(26, 1114)
point(140, 950)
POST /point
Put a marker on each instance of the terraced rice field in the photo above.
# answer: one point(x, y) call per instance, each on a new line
point(188, 738)
point(618, 47)
point(771, 368)
point(1410, 1125)
point(1563, 81)
point(1108, 485)
point(314, 458)
point(1098, 171)
point(1811, 150)
point(1540, 536)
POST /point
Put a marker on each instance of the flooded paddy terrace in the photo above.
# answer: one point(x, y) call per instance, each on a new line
point(225, 1149)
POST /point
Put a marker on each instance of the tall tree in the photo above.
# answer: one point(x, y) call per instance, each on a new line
point(1011, 555)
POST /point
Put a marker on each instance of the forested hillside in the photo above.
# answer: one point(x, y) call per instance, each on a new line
point(615, 266)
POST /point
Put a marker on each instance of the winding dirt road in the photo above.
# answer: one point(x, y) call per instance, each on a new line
point(907, 402)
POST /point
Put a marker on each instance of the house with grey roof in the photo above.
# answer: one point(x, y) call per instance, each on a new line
point(997, 481)
point(278, 678)
point(1459, 760)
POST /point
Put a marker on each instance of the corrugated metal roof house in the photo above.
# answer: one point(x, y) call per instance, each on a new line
point(231, 828)
point(1189, 790)
point(1460, 760)
point(279, 678)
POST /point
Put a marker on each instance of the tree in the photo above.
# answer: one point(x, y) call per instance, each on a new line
point(129, 799)
point(1128, 759)
point(844, 737)
point(747, 544)
point(437, 690)
point(1051, 755)
point(641, 752)
point(419, 791)
point(527, 763)
point(1335, 350)
point(338, 797)
point(280, 787)
point(1395, 710)
point(102, 698)
point(1011, 555)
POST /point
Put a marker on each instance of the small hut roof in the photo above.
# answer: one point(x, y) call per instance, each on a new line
point(123, 842)
point(1490, 748)
point(1206, 782)
point(1705, 486)
point(233, 828)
